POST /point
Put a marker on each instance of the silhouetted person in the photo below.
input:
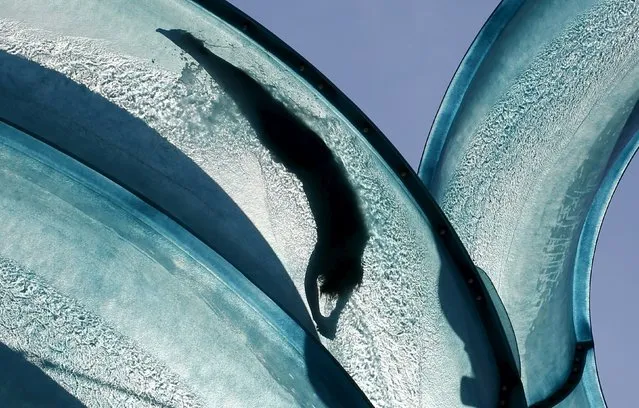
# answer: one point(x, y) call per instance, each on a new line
point(336, 261)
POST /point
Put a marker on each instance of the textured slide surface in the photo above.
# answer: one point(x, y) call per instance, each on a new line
point(538, 125)
point(101, 83)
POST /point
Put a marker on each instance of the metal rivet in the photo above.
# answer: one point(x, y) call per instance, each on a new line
point(302, 67)
point(365, 130)
point(244, 27)
point(478, 298)
point(403, 174)
point(471, 280)
point(442, 231)
point(320, 86)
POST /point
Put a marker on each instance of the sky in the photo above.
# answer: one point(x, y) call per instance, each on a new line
point(395, 60)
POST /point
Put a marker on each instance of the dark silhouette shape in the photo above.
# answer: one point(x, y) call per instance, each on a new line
point(23, 384)
point(66, 115)
point(336, 261)
point(461, 314)
point(83, 124)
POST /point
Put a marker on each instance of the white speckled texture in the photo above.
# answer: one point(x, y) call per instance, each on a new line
point(78, 240)
point(526, 155)
point(406, 335)
point(79, 350)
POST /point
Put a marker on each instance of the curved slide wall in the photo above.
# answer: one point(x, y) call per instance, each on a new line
point(529, 143)
point(112, 84)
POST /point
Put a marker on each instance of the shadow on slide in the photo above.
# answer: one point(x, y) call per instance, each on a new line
point(107, 138)
point(336, 261)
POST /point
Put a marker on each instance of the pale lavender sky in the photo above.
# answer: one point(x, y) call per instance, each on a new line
point(394, 59)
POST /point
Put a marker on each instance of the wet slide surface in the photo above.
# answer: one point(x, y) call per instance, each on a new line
point(523, 157)
point(125, 100)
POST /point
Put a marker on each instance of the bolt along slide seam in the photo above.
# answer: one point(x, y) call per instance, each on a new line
point(437, 138)
point(579, 363)
point(509, 376)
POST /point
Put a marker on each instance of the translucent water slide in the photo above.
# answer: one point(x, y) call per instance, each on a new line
point(117, 304)
point(531, 139)
point(175, 179)
point(146, 191)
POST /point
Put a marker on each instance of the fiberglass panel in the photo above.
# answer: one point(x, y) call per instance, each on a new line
point(518, 154)
point(101, 83)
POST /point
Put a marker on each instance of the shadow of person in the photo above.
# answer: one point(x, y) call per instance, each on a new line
point(482, 389)
point(51, 107)
point(321, 259)
point(336, 261)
